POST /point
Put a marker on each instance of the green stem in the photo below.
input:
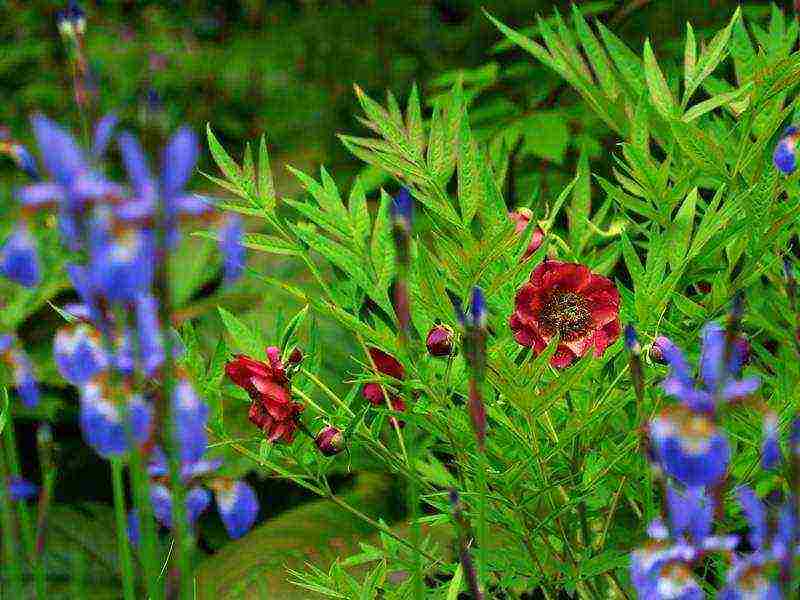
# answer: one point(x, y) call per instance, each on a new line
point(482, 532)
point(144, 510)
point(123, 542)
point(9, 550)
point(27, 529)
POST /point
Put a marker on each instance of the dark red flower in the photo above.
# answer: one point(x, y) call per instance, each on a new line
point(521, 218)
point(373, 392)
point(273, 410)
point(568, 300)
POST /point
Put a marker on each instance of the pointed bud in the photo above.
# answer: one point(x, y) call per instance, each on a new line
point(440, 341)
point(296, 357)
point(631, 341)
point(330, 441)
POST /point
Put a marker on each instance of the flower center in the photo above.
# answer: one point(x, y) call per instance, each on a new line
point(566, 314)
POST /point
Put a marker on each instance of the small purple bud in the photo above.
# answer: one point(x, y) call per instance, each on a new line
point(785, 156)
point(21, 489)
point(19, 261)
point(402, 209)
point(330, 441)
point(440, 341)
point(657, 350)
point(296, 357)
point(770, 449)
point(631, 341)
point(478, 308)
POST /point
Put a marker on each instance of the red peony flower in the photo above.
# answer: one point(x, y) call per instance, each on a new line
point(373, 392)
point(521, 218)
point(566, 299)
point(273, 410)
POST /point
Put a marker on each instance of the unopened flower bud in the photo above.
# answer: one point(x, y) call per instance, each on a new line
point(330, 441)
point(296, 357)
point(521, 217)
point(440, 341)
point(657, 350)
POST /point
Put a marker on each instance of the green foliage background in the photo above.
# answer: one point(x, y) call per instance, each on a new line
point(287, 68)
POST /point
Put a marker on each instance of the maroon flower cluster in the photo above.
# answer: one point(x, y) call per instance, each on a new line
point(569, 301)
point(273, 410)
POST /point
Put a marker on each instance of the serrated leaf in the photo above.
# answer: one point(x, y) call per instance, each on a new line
point(710, 58)
point(689, 54)
point(597, 56)
point(454, 589)
point(628, 64)
point(660, 96)
point(680, 231)
point(266, 187)
point(225, 163)
point(632, 261)
point(581, 206)
point(698, 110)
point(244, 337)
point(414, 121)
point(359, 213)
point(292, 326)
point(271, 243)
point(469, 187)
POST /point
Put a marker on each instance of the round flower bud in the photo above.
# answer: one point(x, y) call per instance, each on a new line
point(521, 217)
point(296, 357)
point(330, 441)
point(440, 341)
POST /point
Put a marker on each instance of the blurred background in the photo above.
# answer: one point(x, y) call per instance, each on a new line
point(286, 68)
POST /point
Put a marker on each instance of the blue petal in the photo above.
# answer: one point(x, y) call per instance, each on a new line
point(230, 243)
point(38, 195)
point(61, 155)
point(676, 360)
point(740, 388)
point(24, 379)
point(19, 261)
point(178, 162)
point(21, 489)
point(712, 355)
point(134, 527)
point(103, 130)
point(784, 158)
point(756, 514)
point(79, 354)
point(238, 507)
point(770, 448)
point(197, 501)
point(190, 417)
point(135, 162)
point(161, 499)
point(151, 347)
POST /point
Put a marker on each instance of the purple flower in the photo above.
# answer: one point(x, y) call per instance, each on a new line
point(190, 415)
point(79, 353)
point(756, 514)
point(134, 527)
point(19, 261)
point(122, 264)
point(230, 244)
point(74, 184)
point(691, 514)
point(660, 571)
point(631, 340)
point(101, 420)
point(717, 381)
point(689, 447)
point(21, 489)
point(177, 164)
point(747, 579)
point(237, 504)
point(150, 338)
point(103, 132)
point(785, 156)
point(770, 448)
point(24, 379)
point(6, 342)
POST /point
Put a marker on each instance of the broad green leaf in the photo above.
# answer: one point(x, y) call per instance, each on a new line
point(660, 95)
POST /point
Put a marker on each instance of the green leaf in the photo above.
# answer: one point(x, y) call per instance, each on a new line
point(272, 244)
point(660, 95)
point(597, 56)
point(710, 58)
point(291, 328)
point(689, 54)
point(266, 187)
point(698, 110)
point(581, 206)
point(632, 261)
point(628, 64)
point(414, 121)
point(454, 588)
point(244, 337)
point(359, 213)
point(469, 188)
point(225, 163)
point(680, 232)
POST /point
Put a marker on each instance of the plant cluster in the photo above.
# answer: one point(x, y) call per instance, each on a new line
point(531, 441)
